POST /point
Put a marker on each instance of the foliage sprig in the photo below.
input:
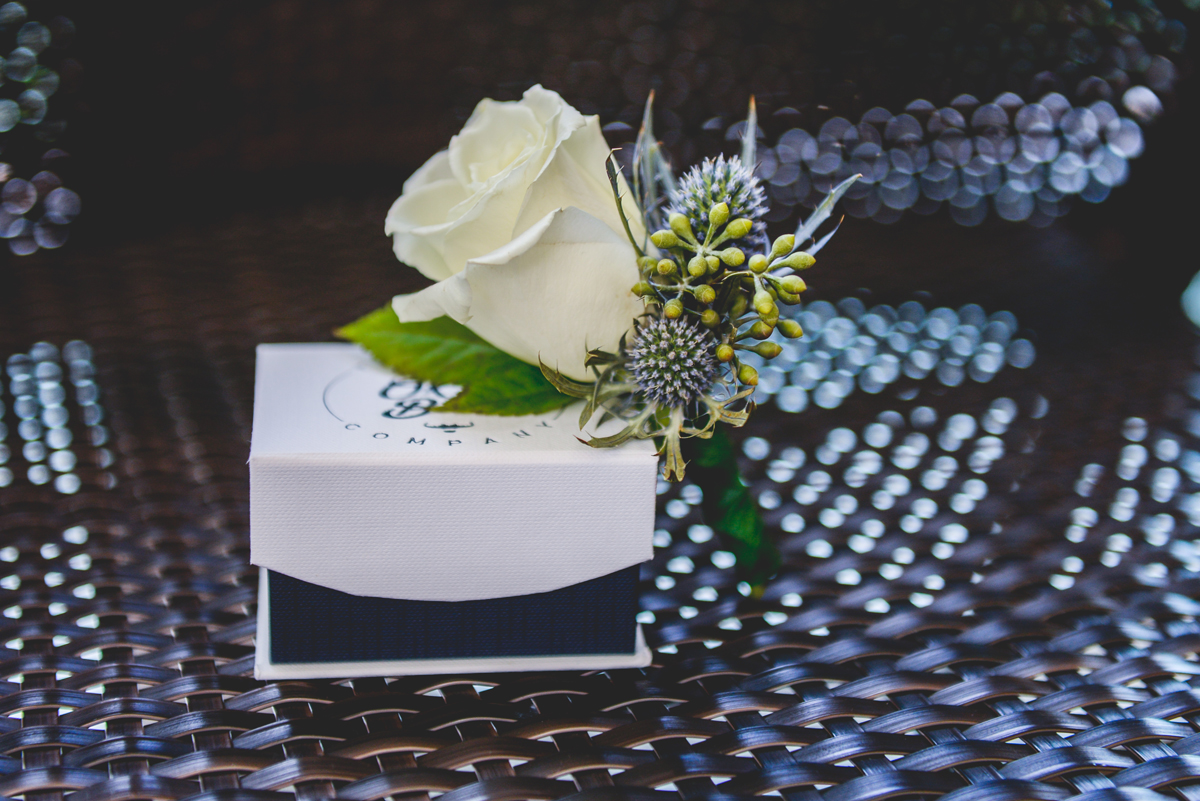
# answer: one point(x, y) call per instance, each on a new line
point(713, 291)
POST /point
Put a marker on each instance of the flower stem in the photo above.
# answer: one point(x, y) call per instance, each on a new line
point(611, 168)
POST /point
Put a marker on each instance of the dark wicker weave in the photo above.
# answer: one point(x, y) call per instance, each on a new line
point(915, 668)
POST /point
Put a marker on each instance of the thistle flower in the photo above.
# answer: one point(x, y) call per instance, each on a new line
point(722, 180)
point(673, 361)
point(667, 386)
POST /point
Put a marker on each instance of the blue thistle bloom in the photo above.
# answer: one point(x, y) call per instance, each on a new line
point(673, 361)
point(722, 180)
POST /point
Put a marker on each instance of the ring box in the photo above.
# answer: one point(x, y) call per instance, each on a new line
point(395, 540)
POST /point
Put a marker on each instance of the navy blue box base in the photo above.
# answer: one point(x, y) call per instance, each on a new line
point(314, 624)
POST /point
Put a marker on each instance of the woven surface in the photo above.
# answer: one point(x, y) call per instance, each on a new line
point(1021, 629)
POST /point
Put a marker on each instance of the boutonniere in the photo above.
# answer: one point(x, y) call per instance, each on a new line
point(558, 279)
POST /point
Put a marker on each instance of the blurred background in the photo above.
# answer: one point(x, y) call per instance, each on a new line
point(1030, 155)
point(181, 180)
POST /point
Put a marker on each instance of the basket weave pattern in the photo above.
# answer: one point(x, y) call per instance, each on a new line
point(997, 669)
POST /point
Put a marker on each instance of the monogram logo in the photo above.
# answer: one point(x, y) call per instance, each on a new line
point(411, 398)
point(410, 419)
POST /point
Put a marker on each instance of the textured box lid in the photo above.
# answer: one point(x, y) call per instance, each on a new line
point(355, 485)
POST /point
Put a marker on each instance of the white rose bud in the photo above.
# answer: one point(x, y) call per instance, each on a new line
point(517, 222)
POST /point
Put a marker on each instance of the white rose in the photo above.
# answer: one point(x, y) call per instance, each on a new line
point(517, 223)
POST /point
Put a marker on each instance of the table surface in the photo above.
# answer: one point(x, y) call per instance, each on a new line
point(1023, 627)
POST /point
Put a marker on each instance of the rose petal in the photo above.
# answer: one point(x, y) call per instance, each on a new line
point(571, 178)
point(560, 289)
point(438, 239)
point(546, 104)
point(436, 169)
point(483, 223)
point(416, 223)
point(450, 298)
point(497, 137)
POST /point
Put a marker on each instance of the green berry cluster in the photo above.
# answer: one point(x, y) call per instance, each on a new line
point(733, 296)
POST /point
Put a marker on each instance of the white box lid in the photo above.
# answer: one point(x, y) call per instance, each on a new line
point(355, 485)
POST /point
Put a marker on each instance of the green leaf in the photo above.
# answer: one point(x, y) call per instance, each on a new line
point(729, 508)
point(445, 352)
point(822, 211)
point(651, 171)
point(567, 386)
